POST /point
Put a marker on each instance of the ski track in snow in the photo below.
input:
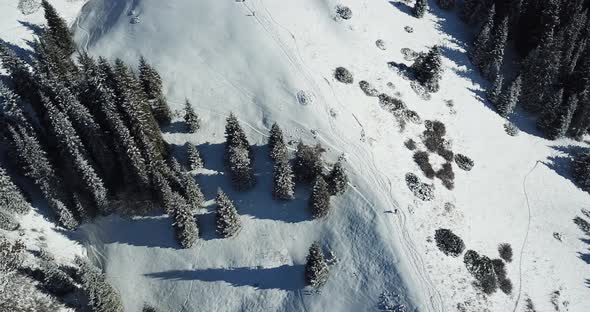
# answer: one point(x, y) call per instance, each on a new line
point(526, 236)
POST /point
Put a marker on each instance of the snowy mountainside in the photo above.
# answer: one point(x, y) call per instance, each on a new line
point(270, 61)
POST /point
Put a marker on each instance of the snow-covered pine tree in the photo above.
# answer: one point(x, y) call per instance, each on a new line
point(581, 119)
point(319, 200)
point(240, 168)
point(55, 280)
point(337, 179)
point(474, 10)
point(195, 161)
point(539, 71)
point(136, 113)
point(428, 69)
point(446, 4)
point(283, 184)
point(97, 94)
point(316, 268)
point(478, 52)
point(549, 112)
point(72, 149)
point(52, 61)
point(227, 217)
point(164, 192)
point(308, 162)
point(7, 221)
point(11, 111)
point(493, 93)
point(102, 297)
point(276, 143)
point(509, 98)
point(184, 224)
point(152, 86)
point(11, 198)
point(495, 53)
point(581, 170)
point(35, 165)
point(563, 118)
point(193, 192)
point(420, 8)
point(58, 28)
point(20, 75)
point(191, 119)
point(234, 134)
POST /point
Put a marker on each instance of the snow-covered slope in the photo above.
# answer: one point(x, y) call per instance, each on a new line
point(254, 58)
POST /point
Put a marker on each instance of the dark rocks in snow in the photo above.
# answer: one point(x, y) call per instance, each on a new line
point(344, 12)
point(409, 29)
point(421, 190)
point(343, 75)
point(448, 242)
point(464, 162)
point(368, 88)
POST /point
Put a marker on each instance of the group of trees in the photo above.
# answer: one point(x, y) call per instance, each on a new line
point(551, 41)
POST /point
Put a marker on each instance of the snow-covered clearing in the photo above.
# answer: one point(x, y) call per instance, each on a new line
point(257, 58)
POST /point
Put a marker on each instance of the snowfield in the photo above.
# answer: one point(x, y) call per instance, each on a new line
point(273, 61)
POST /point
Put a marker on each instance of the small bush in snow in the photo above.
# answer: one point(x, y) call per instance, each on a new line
point(482, 269)
point(344, 12)
point(464, 162)
point(505, 251)
point(343, 75)
point(449, 243)
point(411, 116)
point(316, 268)
point(410, 144)
point(505, 286)
point(511, 129)
point(368, 88)
point(391, 104)
point(421, 158)
point(381, 44)
point(409, 29)
point(446, 175)
point(421, 190)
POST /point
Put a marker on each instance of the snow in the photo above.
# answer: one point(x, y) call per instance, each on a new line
point(257, 58)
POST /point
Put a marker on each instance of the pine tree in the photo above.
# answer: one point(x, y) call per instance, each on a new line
point(7, 221)
point(240, 168)
point(276, 143)
point(152, 86)
point(474, 10)
point(539, 71)
point(193, 192)
point(581, 119)
point(58, 28)
point(319, 200)
point(495, 54)
point(35, 165)
point(549, 112)
point(20, 75)
point(98, 95)
point(184, 224)
point(509, 98)
point(227, 217)
point(102, 297)
point(164, 192)
point(563, 118)
point(581, 170)
point(308, 162)
point(52, 61)
point(283, 184)
point(420, 8)
point(192, 121)
point(234, 134)
point(11, 111)
point(195, 161)
point(478, 52)
point(428, 69)
point(11, 198)
point(493, 93)
point(316, 268)
point(337, 179)
point(71, 148)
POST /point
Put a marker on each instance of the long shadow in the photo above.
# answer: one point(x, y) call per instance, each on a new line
point(26, 55)
point(37, 30)
point(561, 164)
point(175, 127)
point(286, 277)
point(403, 7)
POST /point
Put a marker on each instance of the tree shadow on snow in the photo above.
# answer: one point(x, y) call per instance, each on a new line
point(402, 6)
point(175, 127)
point(26, 55)
point(37, 30)
point(561, 164)
point(285, 277)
